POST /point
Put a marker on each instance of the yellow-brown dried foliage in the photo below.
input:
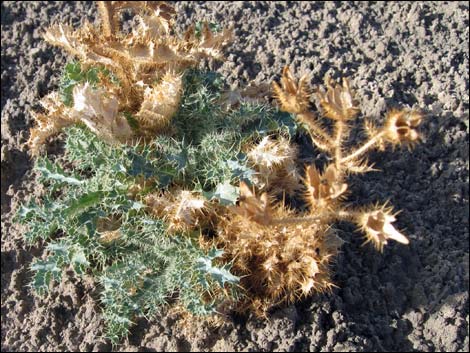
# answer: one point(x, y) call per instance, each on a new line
point(274, 161)
point(325, 191)
point(183, 210)
point(280, 255)
point(148, 62)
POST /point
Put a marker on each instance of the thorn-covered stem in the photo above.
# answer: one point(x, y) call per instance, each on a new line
point(346, 215)
point(106, 11)
point(296, 220)
point(319, 136)
point(364, 148)
point(338, 139)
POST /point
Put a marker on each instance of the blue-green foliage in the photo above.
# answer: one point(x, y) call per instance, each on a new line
point(62, 254)
point(214, 136)
point(143, 244)
point(145, 267)
point(142, 285)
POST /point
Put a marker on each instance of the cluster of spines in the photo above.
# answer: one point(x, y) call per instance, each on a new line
point(280, 256)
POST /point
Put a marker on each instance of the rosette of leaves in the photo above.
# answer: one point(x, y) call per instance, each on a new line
point(105, 214)
point(98, 226)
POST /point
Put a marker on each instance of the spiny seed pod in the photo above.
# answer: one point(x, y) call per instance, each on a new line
point(338, 102)
point(182, 210)
point(401, 126)
point(271, 154)
point(378, 228)
point(274, 163)
point(323, 189)
point(253, 208)
point(294, 97)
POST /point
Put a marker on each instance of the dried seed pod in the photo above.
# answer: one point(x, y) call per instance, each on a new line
point(253, 208)
point(401, 126)
point(293, 97)
point(338, 102)
point(181, 209)
point(377, 225)
point(323, 189)
point(270, 154)
point(275, 166)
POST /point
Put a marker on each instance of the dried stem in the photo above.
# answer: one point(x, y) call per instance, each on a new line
point(338, 139)
point(361, 150)
point(346, 215)
point(319, 136)
point(106, 10)
point(297, 220)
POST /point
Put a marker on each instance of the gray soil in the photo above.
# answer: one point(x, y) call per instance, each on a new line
point(412, 54)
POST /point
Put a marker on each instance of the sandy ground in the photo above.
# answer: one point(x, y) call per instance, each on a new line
point(414, 298)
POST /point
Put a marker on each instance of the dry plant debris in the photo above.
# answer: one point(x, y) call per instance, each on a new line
point(148, 63)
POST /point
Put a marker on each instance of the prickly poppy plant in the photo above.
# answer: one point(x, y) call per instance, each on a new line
point(174, 187)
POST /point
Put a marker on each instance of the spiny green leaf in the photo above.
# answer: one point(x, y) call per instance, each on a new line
point(226, 193)
point(25, 213)
point(136, 205)
point(139, 165)
point(83, 203)
point(240, 171)
point(195, 305)
point(73, 75)
point(215, 253)
point(59, 249)
point(50, 266)
point(40, 230)
point(220, 274)
point(45, 271)
point(79, 261)
point(54, 172)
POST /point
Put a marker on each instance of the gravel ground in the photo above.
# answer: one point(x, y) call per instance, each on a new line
point(412, 54)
